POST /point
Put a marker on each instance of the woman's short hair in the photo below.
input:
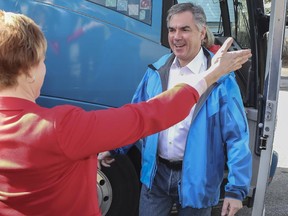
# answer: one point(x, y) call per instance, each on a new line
point(22, 45)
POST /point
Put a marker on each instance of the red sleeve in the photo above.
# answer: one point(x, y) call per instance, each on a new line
point(82, 133)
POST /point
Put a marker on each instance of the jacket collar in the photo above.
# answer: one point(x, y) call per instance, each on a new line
point(163, 68)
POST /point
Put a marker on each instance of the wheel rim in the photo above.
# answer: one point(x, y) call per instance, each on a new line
point(104, 191)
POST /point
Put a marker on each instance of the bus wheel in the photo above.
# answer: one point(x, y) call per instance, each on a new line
point(104, 191)
point(118, 188)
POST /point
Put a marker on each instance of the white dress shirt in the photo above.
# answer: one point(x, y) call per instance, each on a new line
point(172, 141)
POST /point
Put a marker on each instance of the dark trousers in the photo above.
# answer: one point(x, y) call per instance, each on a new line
point(164, 193)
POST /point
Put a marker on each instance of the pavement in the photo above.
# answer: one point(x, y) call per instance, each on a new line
point(276, 199)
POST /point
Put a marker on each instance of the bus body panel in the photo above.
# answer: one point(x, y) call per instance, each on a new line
point(88, 60)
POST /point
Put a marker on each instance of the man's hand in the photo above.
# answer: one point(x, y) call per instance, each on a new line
point(231, 207)
point(104, 159)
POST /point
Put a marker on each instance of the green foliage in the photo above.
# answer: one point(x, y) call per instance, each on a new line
point(267, 6)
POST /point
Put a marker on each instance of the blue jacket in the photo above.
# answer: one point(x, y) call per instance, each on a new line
point(219, 130)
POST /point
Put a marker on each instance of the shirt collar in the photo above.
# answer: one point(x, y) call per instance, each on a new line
point(175, 64)
point(195, 65)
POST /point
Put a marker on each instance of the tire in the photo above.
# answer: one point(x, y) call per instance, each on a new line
point(123, 186)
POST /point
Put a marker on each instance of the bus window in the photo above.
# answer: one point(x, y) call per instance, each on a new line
point(239, 23)
point(140, 10)
point(213, 14)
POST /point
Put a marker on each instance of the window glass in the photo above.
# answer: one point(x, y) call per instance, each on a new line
point(137, 9)
point(284, 74)
point(212, 11)
point(239, 22)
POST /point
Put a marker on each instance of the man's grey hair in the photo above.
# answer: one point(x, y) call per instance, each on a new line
point(196, 10)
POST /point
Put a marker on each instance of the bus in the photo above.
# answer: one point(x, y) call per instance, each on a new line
point(98, 51)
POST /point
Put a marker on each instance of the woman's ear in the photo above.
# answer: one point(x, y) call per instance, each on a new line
point(31, 77)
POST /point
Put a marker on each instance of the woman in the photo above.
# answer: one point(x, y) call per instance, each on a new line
point(209, 41)
point(48, 158)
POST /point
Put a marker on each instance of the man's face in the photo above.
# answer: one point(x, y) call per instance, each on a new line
point(184, 37)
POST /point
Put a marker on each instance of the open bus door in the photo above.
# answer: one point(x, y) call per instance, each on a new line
point(271, 92)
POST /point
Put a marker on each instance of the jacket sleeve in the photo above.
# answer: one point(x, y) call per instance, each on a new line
point(235, 133)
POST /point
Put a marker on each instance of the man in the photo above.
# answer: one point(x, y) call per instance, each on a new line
point(185, 163)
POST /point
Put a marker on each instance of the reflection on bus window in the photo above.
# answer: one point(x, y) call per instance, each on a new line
point(240, 27)
point(213, 14)
point(137, 9)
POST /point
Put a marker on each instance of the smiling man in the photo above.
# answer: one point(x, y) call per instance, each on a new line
point(185, 163)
